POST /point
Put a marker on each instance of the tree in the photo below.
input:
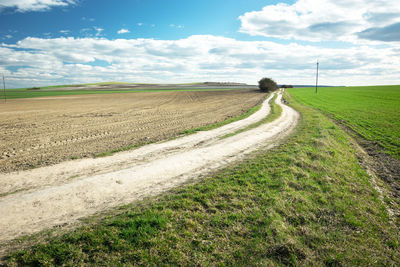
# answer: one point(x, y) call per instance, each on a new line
point(267, 85)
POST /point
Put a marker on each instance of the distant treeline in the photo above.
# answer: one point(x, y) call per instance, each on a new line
point(297, 85)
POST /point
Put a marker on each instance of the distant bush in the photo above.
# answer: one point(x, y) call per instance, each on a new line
point(267, 85)
point(286, 86)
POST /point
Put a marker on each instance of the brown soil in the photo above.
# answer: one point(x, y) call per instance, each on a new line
point(377, 161)
point(386, 167)
point(44, 131)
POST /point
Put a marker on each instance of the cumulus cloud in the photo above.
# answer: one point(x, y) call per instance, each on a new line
point(34, 5)
point(122, 31)
point(38, 61)
point(317, 20)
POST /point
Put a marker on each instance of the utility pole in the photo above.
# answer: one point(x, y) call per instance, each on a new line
point(316, 82)
point(4, 86)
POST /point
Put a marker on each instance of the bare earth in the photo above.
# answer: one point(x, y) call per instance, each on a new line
point(37, 132)
point(59, 194)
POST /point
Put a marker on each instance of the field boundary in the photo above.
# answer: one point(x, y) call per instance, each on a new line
point(373, 161)
point(275, 112)
point(386, 191)
point(185, 132)
point(219, 124)
point(380, 163)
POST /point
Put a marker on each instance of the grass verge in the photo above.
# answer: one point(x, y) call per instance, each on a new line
point(125, 148)
point(222, 123)
point(370, 111)
point(275, 112)
point(185, 132)
point(305, 202)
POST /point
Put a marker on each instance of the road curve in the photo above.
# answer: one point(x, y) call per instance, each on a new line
point(60, 194)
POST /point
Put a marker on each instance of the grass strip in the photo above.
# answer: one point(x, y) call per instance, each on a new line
point(126, 148)
point(185, 132)
point(306, 202)
point(276, 111)
point(222, 123)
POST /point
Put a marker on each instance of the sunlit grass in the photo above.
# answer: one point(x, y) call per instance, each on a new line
point(373, 111)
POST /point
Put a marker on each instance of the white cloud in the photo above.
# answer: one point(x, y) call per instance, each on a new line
point(140, 24)
point(196, 58)
point(176, 26)
point(34, 5)
point(317, 20)
point(88, 19)
point(98, 30)
point(122, 31)
point(91, 32)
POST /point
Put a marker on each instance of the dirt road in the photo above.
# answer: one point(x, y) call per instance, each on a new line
point(59, 194)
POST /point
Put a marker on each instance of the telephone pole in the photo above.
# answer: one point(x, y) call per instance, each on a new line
point(316, 82)
point(4, 86)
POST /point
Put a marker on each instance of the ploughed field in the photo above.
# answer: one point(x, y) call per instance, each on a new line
point(43, 131)
point(118, 87)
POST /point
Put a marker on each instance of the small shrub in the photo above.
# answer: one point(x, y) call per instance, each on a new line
point(267, 85)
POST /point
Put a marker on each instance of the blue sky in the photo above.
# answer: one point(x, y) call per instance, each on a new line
point(45, 42)
point(144, 18)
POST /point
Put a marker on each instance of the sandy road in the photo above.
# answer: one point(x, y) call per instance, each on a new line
point(45, 197)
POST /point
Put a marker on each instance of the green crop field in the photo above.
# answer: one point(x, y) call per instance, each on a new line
point(373, 112)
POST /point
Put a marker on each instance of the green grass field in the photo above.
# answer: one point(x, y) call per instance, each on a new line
point(373, 112)
point(305, 202)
